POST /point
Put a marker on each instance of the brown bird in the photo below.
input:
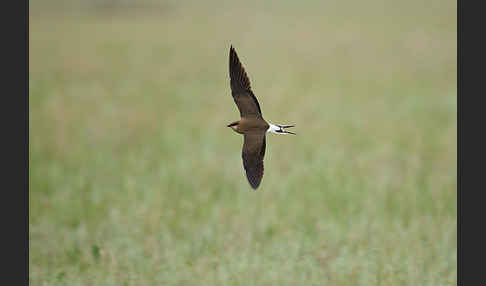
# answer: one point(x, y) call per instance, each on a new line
point(251, 125)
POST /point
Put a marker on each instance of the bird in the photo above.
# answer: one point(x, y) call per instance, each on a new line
point(251, 124)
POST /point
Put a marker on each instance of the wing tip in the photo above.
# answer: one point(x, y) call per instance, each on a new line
point(232, 52)
point(254, 185)
point(254, 179)
point(237, 72)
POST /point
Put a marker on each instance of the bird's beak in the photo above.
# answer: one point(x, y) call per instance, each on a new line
point(282, 129)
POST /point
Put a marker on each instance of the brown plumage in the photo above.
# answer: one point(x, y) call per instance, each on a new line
point(251, 125)
point(241, 89)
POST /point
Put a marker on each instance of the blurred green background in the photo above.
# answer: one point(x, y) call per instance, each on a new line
point(135, 180)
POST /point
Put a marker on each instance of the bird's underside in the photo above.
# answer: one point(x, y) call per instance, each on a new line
point(251, 125)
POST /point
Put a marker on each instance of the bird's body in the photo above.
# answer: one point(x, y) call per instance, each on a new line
point(251, 125)
point(247, 124)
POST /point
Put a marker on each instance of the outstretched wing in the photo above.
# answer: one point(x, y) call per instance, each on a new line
point(252, 154)
point(240, 88)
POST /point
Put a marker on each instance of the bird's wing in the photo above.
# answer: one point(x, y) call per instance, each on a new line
point(252, 154)
point(240, 88)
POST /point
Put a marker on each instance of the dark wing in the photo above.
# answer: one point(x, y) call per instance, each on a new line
point(240, 88)
point(252, 154)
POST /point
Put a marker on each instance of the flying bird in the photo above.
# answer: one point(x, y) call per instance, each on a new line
point(251, 125)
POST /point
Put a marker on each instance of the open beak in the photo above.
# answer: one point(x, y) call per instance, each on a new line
point(282, 129)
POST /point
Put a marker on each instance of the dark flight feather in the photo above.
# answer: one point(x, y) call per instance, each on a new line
point(253, 152)
point(241, 89)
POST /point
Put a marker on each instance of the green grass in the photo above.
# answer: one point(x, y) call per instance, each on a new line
point(135, 180)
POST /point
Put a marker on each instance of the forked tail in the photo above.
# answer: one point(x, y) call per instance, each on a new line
point(280, 129)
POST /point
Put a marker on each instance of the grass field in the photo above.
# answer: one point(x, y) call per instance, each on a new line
point(135, 180)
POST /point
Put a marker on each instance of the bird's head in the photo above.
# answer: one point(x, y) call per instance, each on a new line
point(234, 126)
